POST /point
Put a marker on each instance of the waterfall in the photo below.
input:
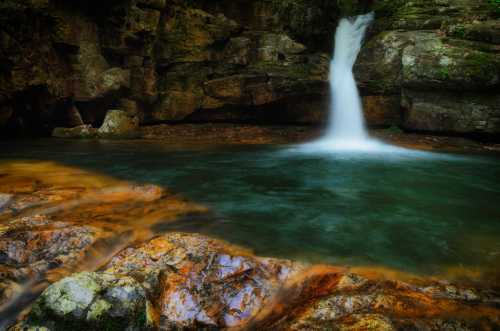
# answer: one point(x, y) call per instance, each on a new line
point(346, 128)
point(346, 114)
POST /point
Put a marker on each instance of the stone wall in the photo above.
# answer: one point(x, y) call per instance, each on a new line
point(435, 66)
point(162, 61)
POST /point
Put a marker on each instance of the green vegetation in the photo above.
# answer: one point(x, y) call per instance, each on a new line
point(459, 31)
point(495, 6)
point(444, 73)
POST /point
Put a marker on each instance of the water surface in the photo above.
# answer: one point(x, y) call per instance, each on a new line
point(416, 212)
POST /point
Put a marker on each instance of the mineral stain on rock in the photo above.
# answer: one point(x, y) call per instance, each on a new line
point(74, 245)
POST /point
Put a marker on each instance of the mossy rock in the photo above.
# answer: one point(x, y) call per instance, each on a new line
point(91, 301)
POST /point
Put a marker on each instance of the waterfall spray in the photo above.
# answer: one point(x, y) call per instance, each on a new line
point(346, 128)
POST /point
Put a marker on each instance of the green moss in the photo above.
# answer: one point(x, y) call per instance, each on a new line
point(459, 31)
point(444, 73)
point(394, 129)
point(494, 6)
point(387, 8)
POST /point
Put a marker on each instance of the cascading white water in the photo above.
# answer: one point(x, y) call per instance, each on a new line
point(346, 129)
point(346, 116)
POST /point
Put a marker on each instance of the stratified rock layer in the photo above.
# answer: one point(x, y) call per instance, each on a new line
point(173, 60)
point(441, 59)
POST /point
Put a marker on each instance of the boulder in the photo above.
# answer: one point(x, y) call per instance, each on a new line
point(96, 301)
point(201, 282)
point(119, 124)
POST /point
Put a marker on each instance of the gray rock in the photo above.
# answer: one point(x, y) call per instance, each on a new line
point(4, 200)
point(119, 124)
point(81, 131)
point(95, 301)
point(451, 112)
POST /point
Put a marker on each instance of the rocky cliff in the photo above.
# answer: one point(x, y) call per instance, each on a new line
point(434, 66)
point(427, 65)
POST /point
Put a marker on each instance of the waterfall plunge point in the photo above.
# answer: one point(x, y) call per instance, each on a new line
point(346, 129)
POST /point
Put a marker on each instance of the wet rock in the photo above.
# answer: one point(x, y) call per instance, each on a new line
point(382, 110)
point(60, 220)
point(419, 51)
point(430, 63)
point(81, 131)
point(391, 305)
point(119, 124)
point(4, 200)
point(379, 65)
point(74, 118)
point(448, 112)
point(201, 282)
point(92, 301)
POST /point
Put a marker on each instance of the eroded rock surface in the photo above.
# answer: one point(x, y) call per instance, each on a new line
point(441, 59)
point(193, 282)
point(55, 220)
point(97, 241)
point(96, 301)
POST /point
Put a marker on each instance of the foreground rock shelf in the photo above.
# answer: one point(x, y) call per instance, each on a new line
point(89, 252)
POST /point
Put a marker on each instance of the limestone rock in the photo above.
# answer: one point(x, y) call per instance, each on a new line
point(446, 112)
point(430, 63)
point(382, 110)
point(56, 220)
point(81, 131)
point(202, 282)
point(92, 300)
point(119, 124)
point(379, 65)
point(187, 35)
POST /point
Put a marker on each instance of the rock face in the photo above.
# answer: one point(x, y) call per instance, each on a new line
point(260, 61)
point(441, 60)
point(169, 58)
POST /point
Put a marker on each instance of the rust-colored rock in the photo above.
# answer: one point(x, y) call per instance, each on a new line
point(55, 220)
point(201, 282)
point(382, 110)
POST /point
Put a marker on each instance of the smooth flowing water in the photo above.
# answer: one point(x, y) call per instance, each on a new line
point(346, 128)
point(418, 212)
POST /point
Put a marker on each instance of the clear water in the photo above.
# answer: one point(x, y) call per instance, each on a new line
point(411, 211)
